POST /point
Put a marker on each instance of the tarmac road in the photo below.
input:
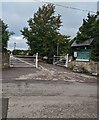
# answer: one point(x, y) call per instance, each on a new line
point(49, 92)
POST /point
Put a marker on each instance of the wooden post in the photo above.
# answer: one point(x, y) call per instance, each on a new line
point(36, 60)
point(53, 59)
point(66, 60)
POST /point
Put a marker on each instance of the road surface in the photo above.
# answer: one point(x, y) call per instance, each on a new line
point(49, 92)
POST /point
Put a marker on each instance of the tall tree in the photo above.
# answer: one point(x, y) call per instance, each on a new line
point(43, 32)
point(90, 29)
point(4, 35)
point(64, 44)
point(85, 31)
point(95, 47)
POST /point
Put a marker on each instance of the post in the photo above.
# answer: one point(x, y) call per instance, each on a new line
point(53, 59)
point(14, 45)
point(57, 48)
point(36, 60)
point(66, 60)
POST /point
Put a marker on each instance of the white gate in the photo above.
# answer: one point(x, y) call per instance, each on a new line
point(61, 60)
point(24, 61)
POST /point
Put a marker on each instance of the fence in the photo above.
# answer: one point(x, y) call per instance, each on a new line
point(61, 60)
point(24, 61)
point(5, 59)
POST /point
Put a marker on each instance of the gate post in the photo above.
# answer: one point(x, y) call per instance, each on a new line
point(36, 60)
point(66, 60)
point(53, 59)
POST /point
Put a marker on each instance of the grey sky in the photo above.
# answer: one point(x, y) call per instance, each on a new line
point(16, 14)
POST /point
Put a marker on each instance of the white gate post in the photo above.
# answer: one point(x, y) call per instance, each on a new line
point(53, 59)
point(66, 60)
point(36, 60)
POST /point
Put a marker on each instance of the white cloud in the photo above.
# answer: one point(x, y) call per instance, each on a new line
point(98, 6)
point(18, 1)
point(16, 14)
point(20, 42)
point(0, 10)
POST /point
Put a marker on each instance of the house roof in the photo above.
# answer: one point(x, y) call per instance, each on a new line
point(85, 43)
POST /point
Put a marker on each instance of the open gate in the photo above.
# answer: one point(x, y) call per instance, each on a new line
point(61, 60)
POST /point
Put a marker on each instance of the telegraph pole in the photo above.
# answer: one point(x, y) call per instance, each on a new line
point(14, 45)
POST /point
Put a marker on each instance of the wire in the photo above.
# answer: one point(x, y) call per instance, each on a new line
point(68, 7)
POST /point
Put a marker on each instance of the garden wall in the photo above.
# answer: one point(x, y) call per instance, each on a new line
point(5, 60)
point(90, 67)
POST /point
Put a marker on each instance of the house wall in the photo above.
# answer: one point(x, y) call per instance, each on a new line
point(5, 60)
point(90, 67)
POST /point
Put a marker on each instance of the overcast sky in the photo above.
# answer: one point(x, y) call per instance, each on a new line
point(16, 14)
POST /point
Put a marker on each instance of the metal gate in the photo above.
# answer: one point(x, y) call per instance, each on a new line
point(61, 60)
point(24, 61)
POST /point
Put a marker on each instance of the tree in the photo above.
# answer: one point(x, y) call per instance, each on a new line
point(85, 31)
point(90, 29)
point(95, 47)
point(20, 52)
point(43, 32)
point(4, 35)
point(64, 44)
